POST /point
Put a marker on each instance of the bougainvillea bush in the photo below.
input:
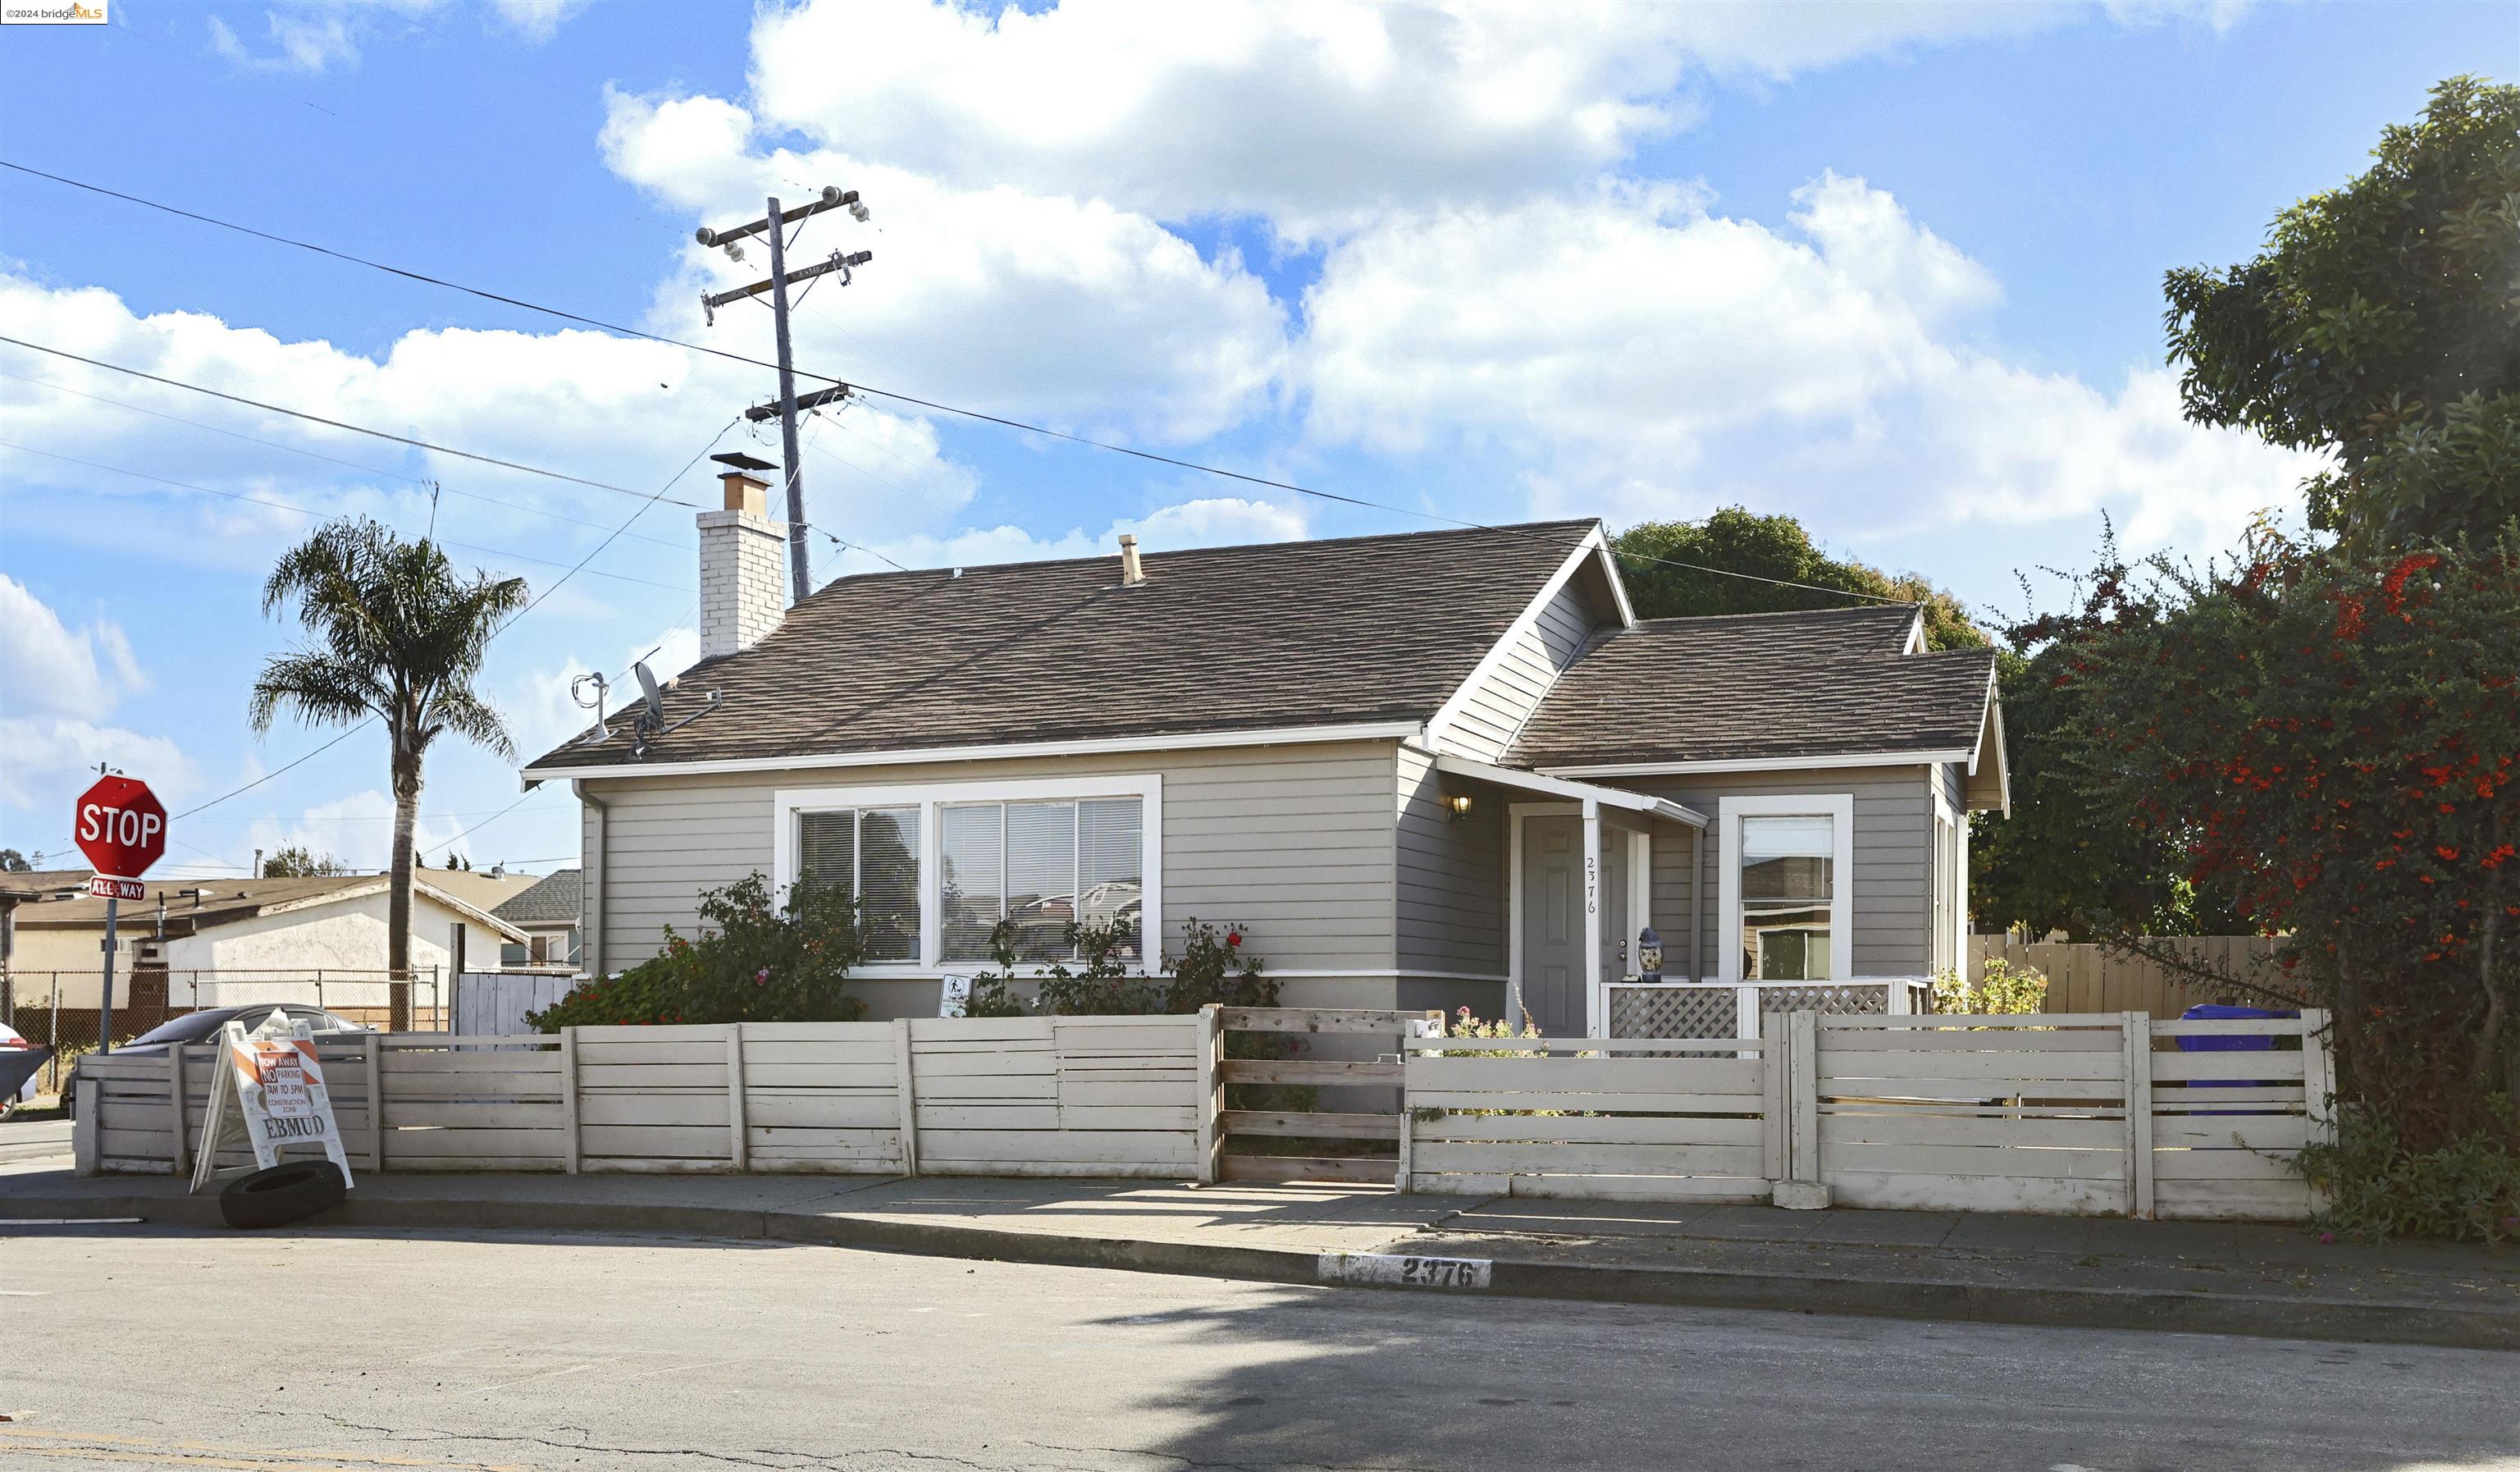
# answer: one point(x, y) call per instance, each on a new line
point(750, 961)
point(2335, 739)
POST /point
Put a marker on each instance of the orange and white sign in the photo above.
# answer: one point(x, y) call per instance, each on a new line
point(275, 1082)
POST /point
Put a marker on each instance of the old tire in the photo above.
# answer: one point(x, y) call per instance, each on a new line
point(282, 1194)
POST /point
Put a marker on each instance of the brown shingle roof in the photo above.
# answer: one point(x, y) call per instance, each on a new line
point(1757, 688)
point(1329, 632)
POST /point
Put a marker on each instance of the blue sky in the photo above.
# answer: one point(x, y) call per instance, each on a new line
point(1893, 269)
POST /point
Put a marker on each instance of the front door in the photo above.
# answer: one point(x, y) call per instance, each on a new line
point(1554, 985)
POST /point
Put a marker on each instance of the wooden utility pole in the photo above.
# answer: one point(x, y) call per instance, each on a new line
point(788, 404)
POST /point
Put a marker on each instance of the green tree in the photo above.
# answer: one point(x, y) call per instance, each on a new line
point(2068, 857)
point(2382, 325)
point(14, 862)
point(394, 635)
point(296, 863)
point(1771, 547)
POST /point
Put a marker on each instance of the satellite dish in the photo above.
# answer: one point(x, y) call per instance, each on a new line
point(655, 697)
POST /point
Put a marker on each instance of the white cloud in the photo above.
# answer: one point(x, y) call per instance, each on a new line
point(1221, 520)
point(356, 828)
point(996, 298)
point(302, 42)
point(1632, 352)
point(1315, 115)
point(625, 412)
point(51, 758)
point(47, 667)
point(537, 20)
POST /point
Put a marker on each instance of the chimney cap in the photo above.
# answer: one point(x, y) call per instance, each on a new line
point(743, 462)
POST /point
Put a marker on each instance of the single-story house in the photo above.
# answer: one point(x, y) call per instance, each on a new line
point(1435, 769)
point(224, 941)
point(546, 912)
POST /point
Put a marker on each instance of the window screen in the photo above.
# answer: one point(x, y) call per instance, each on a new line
point(1043, 867)
point(1786, 885)
point(872, 854)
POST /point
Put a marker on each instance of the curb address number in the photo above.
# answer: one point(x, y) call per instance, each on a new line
point(1394, 1270)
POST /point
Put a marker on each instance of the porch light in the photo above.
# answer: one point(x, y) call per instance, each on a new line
point(1460, 803)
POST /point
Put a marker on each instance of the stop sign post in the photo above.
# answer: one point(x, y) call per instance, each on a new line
point(121, 827)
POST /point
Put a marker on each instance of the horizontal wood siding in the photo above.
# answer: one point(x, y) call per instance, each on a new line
point(1293, 842)
point(1495, 707)
point(1893, 856)
point(1452, 885)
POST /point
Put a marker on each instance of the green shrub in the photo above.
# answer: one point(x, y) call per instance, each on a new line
point(751, 962)
point(2004, 990)
point(1212, 967)
point(2466, 1190)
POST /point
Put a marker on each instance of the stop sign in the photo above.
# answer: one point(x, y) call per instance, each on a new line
point(121, 826)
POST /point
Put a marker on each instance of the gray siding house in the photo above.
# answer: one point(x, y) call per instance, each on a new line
point(1449, 769)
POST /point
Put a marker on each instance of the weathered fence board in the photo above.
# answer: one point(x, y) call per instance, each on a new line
point(2088, 977)
point(2030, 1113)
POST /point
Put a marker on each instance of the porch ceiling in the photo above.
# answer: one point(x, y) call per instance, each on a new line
point(1569, 790)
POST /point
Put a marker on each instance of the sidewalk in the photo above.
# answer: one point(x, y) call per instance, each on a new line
point(2095, 1272)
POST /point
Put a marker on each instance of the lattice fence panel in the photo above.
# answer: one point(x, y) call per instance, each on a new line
point(1672, 1012)
point(1827, 1001)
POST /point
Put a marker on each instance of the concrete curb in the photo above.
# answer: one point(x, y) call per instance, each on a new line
point(1939, 1300)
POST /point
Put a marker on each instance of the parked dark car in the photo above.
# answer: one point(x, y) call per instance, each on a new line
point(203, 1026)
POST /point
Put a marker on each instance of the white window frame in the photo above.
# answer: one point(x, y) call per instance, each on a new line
point(788, 803)
point(1950, 880)
point(1839, 809)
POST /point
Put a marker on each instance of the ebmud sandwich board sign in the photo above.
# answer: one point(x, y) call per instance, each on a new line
point(269, 1088)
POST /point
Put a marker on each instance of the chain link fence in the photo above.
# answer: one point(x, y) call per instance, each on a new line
point(58, 1009)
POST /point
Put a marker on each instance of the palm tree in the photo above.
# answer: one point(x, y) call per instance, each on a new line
point(394, 636)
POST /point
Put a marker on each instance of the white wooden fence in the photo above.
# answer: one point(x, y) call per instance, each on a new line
point(1051, 1096)
point(1592, 1118)
point(2082, 1114)
point(2089, 1113)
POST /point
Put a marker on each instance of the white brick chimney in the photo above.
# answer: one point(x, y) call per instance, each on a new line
point(743, 564)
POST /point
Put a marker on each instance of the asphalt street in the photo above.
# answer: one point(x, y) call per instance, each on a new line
point(376, 1350)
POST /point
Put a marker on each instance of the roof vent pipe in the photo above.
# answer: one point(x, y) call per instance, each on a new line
point(1131, 573)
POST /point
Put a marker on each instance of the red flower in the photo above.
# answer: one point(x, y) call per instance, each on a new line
point(1233, 937)
point(2447, 853)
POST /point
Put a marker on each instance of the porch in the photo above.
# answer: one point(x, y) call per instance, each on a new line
point(1590, 869)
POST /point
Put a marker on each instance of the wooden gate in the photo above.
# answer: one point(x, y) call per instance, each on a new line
point(1312, 1093)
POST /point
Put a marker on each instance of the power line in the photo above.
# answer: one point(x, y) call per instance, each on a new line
point(529, 607)
point(174, 383)
point(898, 397)
point(236, 495)
point(469, 495)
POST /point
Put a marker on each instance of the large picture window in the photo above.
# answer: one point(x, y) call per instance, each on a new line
point(1037, 855)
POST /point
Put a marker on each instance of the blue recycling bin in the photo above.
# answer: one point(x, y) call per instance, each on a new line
point(2228, 1042)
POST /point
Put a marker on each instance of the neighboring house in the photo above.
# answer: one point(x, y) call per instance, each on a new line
point(1437, 769)
point(546, 912)
point(234, 934)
